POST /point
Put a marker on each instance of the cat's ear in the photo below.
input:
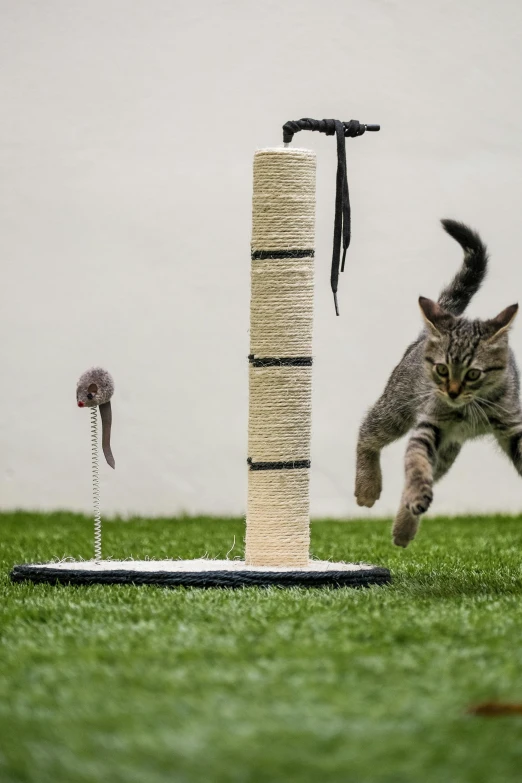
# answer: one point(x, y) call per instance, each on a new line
point(437, 320)
point(502, 322)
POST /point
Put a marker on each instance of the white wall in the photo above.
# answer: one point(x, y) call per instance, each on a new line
point(126, 144)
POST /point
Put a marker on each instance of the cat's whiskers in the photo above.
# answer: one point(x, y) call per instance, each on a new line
point(476, 422)
point(472, 420)
point(478, 409)
point(491, 404)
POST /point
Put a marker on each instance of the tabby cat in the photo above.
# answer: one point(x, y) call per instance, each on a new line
point(457, 381)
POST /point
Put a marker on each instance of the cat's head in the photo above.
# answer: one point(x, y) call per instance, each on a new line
point(465, 359)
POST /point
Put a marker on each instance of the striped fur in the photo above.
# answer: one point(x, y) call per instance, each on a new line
point(456, 382)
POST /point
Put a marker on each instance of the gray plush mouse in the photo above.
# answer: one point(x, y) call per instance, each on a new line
point(96, 387)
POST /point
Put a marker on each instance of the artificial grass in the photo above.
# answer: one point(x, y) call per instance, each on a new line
point(148, 685)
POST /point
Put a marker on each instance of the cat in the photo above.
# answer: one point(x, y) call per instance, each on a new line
point(457, 381)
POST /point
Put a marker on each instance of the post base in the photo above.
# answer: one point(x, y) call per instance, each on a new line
point(201, 573)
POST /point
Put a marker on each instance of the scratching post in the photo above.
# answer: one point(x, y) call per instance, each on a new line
point(280, 373)
point(280, 394)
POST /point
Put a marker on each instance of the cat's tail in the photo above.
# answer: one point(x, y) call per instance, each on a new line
point(458, 294)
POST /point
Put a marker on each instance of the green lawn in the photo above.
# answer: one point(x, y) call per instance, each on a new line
point(149, 685)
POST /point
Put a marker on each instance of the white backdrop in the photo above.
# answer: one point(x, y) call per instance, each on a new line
point(126, 144)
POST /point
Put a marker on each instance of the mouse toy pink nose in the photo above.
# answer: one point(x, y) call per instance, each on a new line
point(81, 404)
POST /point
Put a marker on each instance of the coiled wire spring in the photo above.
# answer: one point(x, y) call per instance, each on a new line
point(96, 485)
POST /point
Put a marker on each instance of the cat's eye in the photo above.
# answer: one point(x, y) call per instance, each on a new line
point(473, 375)
point(442, 370)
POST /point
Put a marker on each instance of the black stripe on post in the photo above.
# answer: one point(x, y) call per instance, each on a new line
point(284, 361)
point(294, 465)
point(280, 254)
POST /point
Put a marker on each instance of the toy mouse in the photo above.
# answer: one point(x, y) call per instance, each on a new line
point(96, 387)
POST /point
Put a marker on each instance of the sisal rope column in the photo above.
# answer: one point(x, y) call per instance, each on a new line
point(280, 374)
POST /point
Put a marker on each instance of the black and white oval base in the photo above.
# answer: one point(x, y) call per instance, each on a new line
point(201, 573)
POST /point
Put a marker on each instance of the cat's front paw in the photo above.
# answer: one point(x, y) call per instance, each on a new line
point(417, 499)
point(368, 489)
point(368, 478)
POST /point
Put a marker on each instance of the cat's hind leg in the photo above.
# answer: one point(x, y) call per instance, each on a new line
point(509, 438)
point(405, 526)
point(406, 522)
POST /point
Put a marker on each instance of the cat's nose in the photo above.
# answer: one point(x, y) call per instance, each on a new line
point(454, 389)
